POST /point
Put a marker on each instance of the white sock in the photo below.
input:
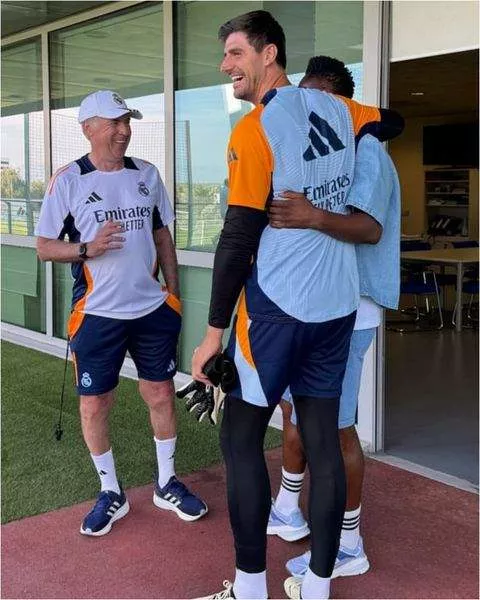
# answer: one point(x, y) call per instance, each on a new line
point(250, 586)
point(315, 587)
point(165, 459)
point(289, 493)
point(350, 535)
point(105, 466)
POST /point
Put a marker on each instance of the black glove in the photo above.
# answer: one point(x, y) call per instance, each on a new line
point(200, 400)
point(221, 371)
point(206, 400)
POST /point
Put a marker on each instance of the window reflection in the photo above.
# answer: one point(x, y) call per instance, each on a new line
point(204, 119)
point(124, 53)
point(22, 160)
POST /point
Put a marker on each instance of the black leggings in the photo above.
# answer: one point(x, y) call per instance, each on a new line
point(317, 420)
point(248, 484)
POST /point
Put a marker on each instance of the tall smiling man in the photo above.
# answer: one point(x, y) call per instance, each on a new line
point(115, 212)
point(297, 293)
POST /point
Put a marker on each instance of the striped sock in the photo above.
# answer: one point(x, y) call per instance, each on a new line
point(351, 529)
point(289, 493)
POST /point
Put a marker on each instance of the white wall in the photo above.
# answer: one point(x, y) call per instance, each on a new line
point(367, 402)
point(423, 28)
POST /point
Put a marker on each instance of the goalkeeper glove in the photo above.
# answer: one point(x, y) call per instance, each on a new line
point(202, 401)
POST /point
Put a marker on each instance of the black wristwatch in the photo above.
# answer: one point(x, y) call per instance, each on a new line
point(82, 252)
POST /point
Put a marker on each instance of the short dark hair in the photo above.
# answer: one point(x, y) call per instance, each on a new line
point(334, 71)
point(261, 29)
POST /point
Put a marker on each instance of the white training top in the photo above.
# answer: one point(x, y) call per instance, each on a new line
point(369, 314)
point(120, 284)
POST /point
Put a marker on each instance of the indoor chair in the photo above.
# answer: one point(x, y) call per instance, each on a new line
point(470, 287)
point(419, 281)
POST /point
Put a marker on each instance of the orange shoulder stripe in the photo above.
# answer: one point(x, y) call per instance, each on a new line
point(250, 163)
point(361, 113)
point(55, 176)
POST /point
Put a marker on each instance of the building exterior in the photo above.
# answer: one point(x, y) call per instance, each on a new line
point(163, 58)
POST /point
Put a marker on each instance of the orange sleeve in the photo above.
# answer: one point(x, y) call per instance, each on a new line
point(250, 163)
point(361, 114)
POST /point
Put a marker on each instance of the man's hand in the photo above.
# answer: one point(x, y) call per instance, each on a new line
point(211, 345)
point(107, 238)
point(295, 212)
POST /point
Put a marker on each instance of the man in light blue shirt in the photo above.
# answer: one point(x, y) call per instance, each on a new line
point(374, 226)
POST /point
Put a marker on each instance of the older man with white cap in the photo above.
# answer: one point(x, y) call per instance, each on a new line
point(115, 212)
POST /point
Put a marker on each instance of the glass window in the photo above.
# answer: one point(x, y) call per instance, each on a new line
point(122, 52)
point(22, 146)
point(206, 110)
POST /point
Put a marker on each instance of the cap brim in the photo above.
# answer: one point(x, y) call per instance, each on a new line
point(135, 114)
point(131, 112)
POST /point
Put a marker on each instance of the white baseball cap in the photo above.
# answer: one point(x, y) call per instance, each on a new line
point(105, 104)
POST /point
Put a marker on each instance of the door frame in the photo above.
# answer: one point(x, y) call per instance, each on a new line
point(376, 61)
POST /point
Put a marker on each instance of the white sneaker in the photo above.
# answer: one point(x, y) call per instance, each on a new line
point(223, 595)
point(293, 587)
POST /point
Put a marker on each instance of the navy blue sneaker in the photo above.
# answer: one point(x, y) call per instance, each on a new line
point(108, 508)
point(175, 496)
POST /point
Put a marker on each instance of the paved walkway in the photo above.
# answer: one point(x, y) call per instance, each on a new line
point(421, 538)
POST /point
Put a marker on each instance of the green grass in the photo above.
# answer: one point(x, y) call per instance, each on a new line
point(19, 227)
point(40, 474)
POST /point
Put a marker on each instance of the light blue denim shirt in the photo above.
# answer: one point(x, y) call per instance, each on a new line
point(376, 191)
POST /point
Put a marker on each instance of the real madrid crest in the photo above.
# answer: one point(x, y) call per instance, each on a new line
point(142, 188)
point(116, 98)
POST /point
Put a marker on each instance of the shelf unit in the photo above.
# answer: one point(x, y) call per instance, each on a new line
point(451, 199)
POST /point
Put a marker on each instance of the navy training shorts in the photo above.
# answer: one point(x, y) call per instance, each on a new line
point(99, 346)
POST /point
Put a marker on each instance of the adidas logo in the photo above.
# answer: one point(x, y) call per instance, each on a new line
point(102, 472)
point(171, 366)
point(172, 499)
point(112, 509)
point(94, 197)
point(321, 129)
